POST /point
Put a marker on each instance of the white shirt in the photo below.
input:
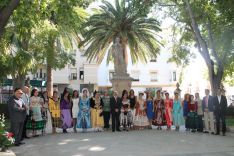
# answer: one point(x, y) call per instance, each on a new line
point(20, 102)
point(219, 98)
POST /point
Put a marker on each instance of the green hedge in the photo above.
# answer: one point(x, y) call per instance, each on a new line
point(230, 111)
point(4, 110)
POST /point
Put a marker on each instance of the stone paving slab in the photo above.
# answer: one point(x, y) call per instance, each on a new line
point(133, 143)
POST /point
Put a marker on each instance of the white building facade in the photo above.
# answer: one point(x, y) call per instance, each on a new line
point(157, 73)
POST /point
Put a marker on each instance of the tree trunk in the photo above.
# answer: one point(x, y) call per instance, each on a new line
point(19, 81)
point(49, 81)
point(215, 78)
point(5, 14)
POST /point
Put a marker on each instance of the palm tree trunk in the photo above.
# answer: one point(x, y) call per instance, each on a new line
point(49, 82)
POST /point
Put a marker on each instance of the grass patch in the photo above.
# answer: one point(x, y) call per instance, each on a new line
point(230, 121)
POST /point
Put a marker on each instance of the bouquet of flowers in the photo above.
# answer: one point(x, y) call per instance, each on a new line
point(6, 138)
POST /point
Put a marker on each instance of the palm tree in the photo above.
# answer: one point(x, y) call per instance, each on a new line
point(56, 38)
point(124, 23)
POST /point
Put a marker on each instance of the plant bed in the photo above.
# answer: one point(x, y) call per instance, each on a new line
point(6, 138)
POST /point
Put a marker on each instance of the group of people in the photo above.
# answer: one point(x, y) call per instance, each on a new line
point(35, 114)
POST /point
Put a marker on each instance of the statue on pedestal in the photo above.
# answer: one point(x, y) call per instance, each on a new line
point(178, 90)
point(119, 63)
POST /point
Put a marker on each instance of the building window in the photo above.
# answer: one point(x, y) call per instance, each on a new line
point(35, 76)
point(44, 75)
point(174, 75)
point(111, 74)
point(135, 74)
point(154, 76)
point(73, 75)
point(82, 74)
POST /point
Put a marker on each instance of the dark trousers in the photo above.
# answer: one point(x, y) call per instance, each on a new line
point(115, 121)
point(187, 122)
point(24, 135)
point(199, 123)
point(106, 117)
point(17, 130)
point(222, 118)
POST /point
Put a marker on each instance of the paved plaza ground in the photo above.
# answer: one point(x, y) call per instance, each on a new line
point(132, 143)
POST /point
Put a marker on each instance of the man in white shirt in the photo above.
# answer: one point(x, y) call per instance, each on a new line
point(25, 98)
point(220, 103)
point(208, 109)
point(17, 112)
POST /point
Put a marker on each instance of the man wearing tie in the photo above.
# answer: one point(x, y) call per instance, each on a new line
point(208, 109)
point(115, 105)
point(220, 103)
point(17, 112)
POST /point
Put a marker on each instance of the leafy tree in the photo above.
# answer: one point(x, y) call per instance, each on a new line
point(16, 40)
point(60, 33)
point(207, 25)
point(6, 10)
point(48, 34)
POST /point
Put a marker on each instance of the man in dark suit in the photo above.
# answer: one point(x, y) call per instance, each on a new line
point(17, 112)
point(208, 109)
point(220, 103)
point(115, 104)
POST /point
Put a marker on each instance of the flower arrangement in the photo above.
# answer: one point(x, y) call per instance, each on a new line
point(6, 138)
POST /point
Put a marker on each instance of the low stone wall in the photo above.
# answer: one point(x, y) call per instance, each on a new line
point(7, 153)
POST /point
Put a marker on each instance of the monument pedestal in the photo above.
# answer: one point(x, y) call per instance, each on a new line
point(119, 83)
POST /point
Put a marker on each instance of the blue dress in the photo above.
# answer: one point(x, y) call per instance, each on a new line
point(150, 109)
point(83, 119)
point(178, 119)
point(185, 109)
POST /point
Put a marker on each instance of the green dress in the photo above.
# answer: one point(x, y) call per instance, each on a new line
point(36, 121)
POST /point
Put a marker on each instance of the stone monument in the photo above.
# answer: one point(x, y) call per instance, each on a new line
point(178, 90)
point(121, 79)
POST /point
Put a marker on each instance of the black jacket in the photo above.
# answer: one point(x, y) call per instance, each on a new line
point(220, 108)
point(115, 104)
point(17, 113)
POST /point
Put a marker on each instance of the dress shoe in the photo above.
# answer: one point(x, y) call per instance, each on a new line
point(113, 130)
point(212, 133)
point(193, 131)
point(21, 143)
point(118, 130)
point(205, 132)
point(17, 144)
point(224, 134)
point(216, 133)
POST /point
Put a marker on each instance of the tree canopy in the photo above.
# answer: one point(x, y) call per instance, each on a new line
point(40, 31)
